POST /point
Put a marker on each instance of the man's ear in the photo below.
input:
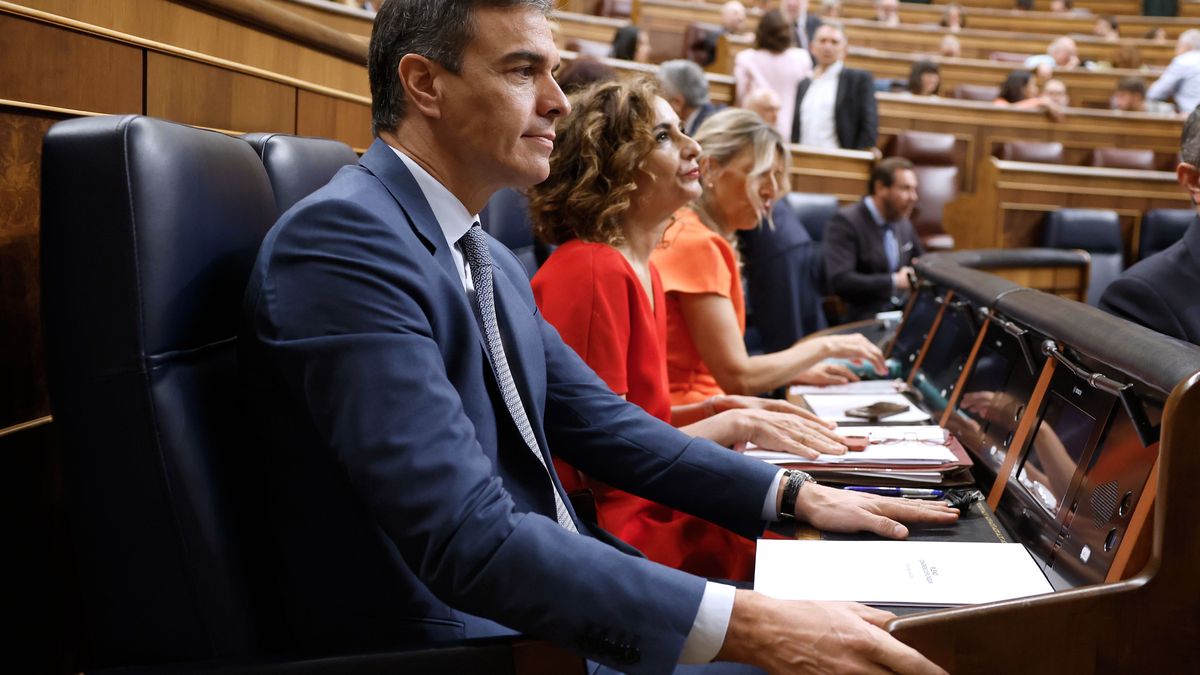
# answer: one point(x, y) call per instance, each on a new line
point(419, 76)
point(1189, 178)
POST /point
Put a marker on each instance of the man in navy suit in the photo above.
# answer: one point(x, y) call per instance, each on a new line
point(869, 246)
point(409, 395)
point(1160, 291)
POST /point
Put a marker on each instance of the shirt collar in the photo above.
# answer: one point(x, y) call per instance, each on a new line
point(833, 71)
point(874, 211)
point(452, 216)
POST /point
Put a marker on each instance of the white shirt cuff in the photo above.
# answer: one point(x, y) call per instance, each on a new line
point(712, 620)
point(770, 512)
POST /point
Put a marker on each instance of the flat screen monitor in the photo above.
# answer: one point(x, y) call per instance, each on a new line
point(993, 399)
point(947, 356)
point(913, 331)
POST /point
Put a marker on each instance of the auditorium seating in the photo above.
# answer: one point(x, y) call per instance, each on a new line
point(506, 217)
point(1161, 228)
point(1124, 158)
point(977, 92)
point(1043, 152)
point(814, 211)
point(297, 166)
point(934, 163)
point(1096, 231)
point(144, 269)
point(696, 36)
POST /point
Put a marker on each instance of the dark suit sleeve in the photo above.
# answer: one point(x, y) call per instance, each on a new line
point(343, 314)
point(1133, 299)
point(841, 265)
point(868, 119)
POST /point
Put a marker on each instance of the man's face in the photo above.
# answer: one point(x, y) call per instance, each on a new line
point(733, 16)
point(498, 112)
point(1056, 91)
point(828, 45)
point(897, 202)
point(793, 8)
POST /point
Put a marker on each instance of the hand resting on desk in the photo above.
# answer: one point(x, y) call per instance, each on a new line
point(789, 636)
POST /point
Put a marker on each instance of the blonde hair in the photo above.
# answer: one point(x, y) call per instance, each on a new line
point(733, 131)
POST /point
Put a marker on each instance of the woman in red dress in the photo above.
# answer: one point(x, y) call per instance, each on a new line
point(620, 167)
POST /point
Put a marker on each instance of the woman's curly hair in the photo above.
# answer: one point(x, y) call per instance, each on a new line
point(598, 151)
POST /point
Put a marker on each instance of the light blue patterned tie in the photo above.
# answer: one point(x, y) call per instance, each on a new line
point(475, 248)
point(891, 248)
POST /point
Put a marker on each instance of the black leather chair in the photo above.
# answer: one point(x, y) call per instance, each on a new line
point(506, 217)
point(297, 165)
point(1161, 228)
point(936, 168)
point(1096, 231)
point(814, 211)
point(149, 232)
point(1041, 152)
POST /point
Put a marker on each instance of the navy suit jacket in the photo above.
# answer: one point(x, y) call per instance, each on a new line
point(856, 265)
point(1160, 291)
point(855, 113)
point(406, 502)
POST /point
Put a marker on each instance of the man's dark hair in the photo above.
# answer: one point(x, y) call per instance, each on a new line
point(625, 42)
point(885, 172)
point(1133, 85)
point(773, 34)
point(1189, 143)
point(439, 30)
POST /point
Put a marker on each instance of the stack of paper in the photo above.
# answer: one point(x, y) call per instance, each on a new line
point(860, 387)
point(893, 446)
point(897, 572)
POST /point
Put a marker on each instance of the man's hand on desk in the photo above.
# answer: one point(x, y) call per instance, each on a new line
point(791, 636)
point(845, 511)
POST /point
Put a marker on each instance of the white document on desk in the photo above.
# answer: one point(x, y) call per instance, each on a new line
point(936, 573)
point(834, 407)
point(860, 387)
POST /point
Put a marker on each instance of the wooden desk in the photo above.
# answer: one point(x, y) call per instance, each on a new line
point(1086, 89)
point(842, 173)
point(981, 127)
point(1006, 18)
point(1012, 198)
point(668, 20)
point(720, 87)
point(585, 27)
point(1097, 7)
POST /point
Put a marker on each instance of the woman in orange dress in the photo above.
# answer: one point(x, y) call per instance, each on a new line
point(620, 167)
point(743, 165)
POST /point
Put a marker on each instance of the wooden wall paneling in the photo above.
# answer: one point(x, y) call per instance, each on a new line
point(182, 25)
point(22, 361)
point(842, 173)
point(51, 66)
point(329, 117)
point(205, 95)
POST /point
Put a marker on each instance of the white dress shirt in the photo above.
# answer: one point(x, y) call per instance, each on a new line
point(1181, 81)
point(716, 605)
point(816, 110)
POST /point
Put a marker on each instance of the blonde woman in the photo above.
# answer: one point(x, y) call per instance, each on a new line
point(743, 170)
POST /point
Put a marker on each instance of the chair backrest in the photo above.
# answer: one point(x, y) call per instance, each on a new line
point(1161, 228)
point(506, 217)
point(298, 165)
point(593, 48)
point(976, 92)
point(149, 232)
point(1123, 158)
point(1008, 57)
point(1041, 152)
point(1096, 231)
point(814, 211)
point(620, 9)
point(932, 154)
point(699, 41)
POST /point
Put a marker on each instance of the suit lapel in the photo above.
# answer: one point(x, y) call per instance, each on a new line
point(383, 163)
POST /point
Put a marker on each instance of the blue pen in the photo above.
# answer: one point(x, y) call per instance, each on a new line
point(917, 493)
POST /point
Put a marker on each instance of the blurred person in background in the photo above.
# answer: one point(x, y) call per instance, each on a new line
point(1181, 79)
point(764, 103)
point(775, 63)
point(631, 43)
point(684, 86)
point(925, 79)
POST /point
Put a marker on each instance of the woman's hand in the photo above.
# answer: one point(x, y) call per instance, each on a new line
point(720, 404)
point(782, 432)
point(854, 347)
point(825, 373)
